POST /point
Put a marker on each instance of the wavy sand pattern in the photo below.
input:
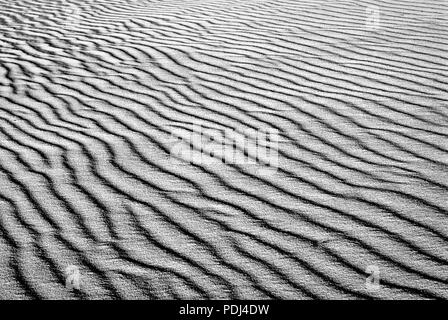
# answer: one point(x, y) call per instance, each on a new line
point(91, 90)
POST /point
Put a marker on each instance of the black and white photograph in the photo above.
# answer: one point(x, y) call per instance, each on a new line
point(223, 150)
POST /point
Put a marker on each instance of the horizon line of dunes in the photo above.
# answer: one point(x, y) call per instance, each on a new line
point(91, 91)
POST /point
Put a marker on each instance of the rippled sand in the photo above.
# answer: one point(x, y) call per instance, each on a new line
point(92, 91)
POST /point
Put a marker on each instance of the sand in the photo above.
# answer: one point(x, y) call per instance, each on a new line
point(103, 191)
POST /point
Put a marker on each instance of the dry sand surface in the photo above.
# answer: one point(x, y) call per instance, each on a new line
point(93, 94)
